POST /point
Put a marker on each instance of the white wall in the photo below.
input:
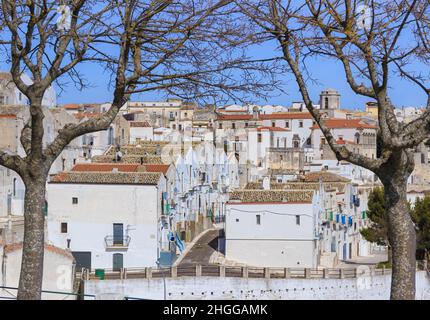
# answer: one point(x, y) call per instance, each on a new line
point(91, 220)
point(277, 241)
point(57, 275)
point(209, 288)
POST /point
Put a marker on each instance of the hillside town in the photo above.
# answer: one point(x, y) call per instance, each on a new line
point(141, 194)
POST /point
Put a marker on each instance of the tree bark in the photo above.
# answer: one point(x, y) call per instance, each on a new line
point(30, 281)
point(401, 232)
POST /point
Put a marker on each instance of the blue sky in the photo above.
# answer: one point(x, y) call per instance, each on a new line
point(327, 72)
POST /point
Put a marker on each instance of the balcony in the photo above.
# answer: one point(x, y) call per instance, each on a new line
point(114, 243)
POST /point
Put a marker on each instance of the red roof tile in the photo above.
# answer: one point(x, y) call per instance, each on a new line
point(286, 115)
point(48, 247)
point(234, 117)
point(71, 106)
point(8, 116)
point(271, 129)
point(163, 168)
point(340, 141)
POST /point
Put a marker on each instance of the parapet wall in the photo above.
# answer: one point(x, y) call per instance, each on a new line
point(373, 287)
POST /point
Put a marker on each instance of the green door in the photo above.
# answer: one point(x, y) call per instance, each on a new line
point(118, 261)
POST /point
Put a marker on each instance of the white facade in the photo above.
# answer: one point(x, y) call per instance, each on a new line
point(271, 234)
point(90, 221)
point(11, 95)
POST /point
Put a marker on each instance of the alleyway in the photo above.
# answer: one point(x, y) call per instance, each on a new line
point(202, 250)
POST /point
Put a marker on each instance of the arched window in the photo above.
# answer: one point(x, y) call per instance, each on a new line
point(357, 138)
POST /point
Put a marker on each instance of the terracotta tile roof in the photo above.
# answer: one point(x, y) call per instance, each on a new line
point(341, 141)
point(222, 117)
point(152, 159)
point(48, 247)
point(233, 111)
point(105, 167)
point(286, 115)
point(345, 123)
point(296, 185)
point(324, 176)
point(7, 116)
point(140, 124)
point(291, 196)
point(143, 178)
point(71, 106)
point(156, 168)
point(271, 129)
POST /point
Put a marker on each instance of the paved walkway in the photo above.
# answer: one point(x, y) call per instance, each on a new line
point(369, 260)
point(202, 249)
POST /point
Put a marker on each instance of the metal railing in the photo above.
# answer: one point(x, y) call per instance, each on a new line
point(229, 271)
point(117, 242)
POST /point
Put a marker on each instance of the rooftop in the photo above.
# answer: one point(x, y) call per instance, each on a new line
point(288, 196)
point(286, 115)
point(140, 124)
point(48, 247)
point(140, 178)
point(345, 123)
point(323, 176)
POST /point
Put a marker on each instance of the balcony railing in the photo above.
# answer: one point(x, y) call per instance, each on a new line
point(117, 243)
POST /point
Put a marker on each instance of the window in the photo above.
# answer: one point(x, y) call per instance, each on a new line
point(287, 124)
point(246, 124)
point(63, 227)
point(14, 187)
point(326, 102)
point(220, 126)
point(300, 124)
point(233, 125)
point(74, 200)
point(273, 124)
point(117, 261)
point(237, 220)
point(258, 217)
point(298, 220)
point(259, 137)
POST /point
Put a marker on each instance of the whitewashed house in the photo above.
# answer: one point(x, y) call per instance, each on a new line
point(272, 228)
point(107, 219)
point(58, 272)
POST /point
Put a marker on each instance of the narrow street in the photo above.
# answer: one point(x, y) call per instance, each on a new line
point(202, 250)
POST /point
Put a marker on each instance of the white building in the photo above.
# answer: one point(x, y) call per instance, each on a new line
point(58, 272)
point(272, 228)
point(10, 94)
point(107, 219)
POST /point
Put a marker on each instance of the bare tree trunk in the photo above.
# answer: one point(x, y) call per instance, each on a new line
point(30, 281)
point(401, 232)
